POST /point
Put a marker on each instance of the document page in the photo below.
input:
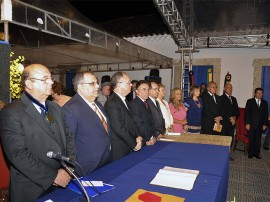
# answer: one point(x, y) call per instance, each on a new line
point(175, 178)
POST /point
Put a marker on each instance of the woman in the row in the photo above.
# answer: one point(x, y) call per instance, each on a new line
point(178, 110)
point(164, 106)
point(194, 110)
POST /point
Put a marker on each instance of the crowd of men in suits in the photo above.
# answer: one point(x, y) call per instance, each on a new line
point(92, 134)
point(223, 110)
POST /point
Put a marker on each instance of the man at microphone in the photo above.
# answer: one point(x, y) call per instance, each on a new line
point(29, 128)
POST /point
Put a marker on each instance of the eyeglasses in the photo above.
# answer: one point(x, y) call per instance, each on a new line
point(128, 83)
point(46, 79)
point(91, 83)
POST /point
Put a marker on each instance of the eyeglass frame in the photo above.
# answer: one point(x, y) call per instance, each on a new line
point(45, 79)
point(128, 83)
point(91, 83)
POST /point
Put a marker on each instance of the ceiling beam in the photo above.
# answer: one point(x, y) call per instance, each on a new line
point(174, 21)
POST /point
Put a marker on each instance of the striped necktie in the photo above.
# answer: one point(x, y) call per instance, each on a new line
point(101, 117)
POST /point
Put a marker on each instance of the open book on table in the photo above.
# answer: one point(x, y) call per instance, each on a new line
point(175, 178)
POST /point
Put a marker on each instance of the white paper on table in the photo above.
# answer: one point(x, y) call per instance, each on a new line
point(94, 183)
point(164, 139)
point(171, 133)
point(175, 178)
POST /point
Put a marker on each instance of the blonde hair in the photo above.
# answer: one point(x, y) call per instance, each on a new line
point(176, 104)
point(161, 86)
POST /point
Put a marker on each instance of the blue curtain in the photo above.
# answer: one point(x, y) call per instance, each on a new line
point(200, 74)
point(266, 84)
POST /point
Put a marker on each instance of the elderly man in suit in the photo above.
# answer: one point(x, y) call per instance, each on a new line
point(212, 110)
point(256, 120)
point(124, 132)
point(158, 119)
point(88, 122)
point(142, 114)
point(230, 111)
point(30, 127)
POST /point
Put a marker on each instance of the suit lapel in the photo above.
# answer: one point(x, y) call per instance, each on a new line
point(33, 112)
point(122, 104)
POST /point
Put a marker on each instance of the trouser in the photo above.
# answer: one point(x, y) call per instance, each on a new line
point(254, 136)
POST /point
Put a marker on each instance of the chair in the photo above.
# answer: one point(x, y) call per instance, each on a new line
point(241, 132)
point(4, 171)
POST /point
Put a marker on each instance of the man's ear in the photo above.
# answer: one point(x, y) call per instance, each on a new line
point(79, 88)
point(29, 84)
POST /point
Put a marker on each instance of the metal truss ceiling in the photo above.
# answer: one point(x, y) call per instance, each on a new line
point(37, 19)
point(252, 41)
point(172, 17)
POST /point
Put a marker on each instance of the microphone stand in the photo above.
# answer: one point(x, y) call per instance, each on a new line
point(71, 172)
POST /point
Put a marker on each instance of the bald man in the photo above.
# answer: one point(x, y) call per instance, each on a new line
point(30, 127)
point(230, 111)
point(212, 110)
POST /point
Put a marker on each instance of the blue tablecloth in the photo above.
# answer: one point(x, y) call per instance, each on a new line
point(139, 168)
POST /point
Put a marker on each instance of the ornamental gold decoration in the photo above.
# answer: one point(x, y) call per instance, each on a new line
point(16, 69)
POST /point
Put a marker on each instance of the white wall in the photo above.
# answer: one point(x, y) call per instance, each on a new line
point(165, 74)
point(238, 61)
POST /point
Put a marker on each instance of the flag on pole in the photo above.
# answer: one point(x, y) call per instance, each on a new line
point(191, 78)
point(209, 75)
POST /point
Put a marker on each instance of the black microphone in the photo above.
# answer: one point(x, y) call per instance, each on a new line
point(59, 157)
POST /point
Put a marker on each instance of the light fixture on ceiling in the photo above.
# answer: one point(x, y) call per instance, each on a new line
point(40, 21)
point(117, 46)
point(88, 36)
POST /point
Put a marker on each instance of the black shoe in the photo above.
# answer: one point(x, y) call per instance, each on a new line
point(266, 148)
point(258, 157)
point(250, 156)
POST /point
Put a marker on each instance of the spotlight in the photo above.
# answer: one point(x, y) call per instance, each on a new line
point(87, 35)
point(40, 21)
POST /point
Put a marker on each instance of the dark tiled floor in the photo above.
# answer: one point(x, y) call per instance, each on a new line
point(249, 179)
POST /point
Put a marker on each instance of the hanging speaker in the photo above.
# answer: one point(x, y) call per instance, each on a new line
point(105, 78)
point(154, 72)
point(153, 78)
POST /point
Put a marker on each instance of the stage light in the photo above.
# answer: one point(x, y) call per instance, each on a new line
point(40, 21)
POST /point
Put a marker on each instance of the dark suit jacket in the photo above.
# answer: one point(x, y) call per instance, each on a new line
point(91, 139)
point(256, 116)
point(159, 121)
point(129, 96)
point(143, 119)
point(26, 138)
point(210, 111)
point(124, 130)
point(229, 110)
